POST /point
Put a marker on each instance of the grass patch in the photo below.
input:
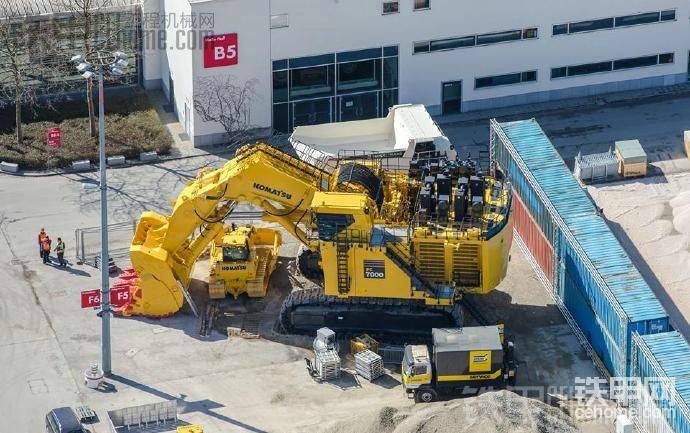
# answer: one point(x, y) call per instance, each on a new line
point(132, 126)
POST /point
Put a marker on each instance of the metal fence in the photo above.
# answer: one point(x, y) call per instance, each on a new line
point(140, 418)
point(87, 242)
point(392, 354)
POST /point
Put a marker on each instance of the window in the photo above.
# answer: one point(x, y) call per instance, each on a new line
point(505, 79)
point(235, 253)
point(418, 370)
point(669, 15)
point(615, 65)
point(473, 40)
point(422, 4)
point(589, 68)
point(279, 21)
point(311, 82)
point(390, 51)
point(611, 23)
point(359, 76)
point(449, 44)
point(494, 38)
point(633, 20)
point(559, 72)
point(421, 47)
point(280, 86)
point(391, 7)
point(588, 26)
point(530, 33)
point(665, 58)
point(390, 72)
point(281, 118)
point(529, 76)
point(560, 29)
point(636, 62)
point(348, 85)
point(280, 64)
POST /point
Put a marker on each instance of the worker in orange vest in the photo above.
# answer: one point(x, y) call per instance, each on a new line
point(41, 236)
point(46, 249)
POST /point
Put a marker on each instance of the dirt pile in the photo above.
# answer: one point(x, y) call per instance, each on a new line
point(493, 412)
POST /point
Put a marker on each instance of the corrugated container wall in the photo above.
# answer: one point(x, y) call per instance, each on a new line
point(662, 362)
point(593, 276)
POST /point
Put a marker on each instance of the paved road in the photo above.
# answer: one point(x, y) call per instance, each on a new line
point(34, 297)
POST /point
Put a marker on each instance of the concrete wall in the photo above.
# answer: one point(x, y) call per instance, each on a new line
point(326, 26)
point(360, 24)
point(254, 61)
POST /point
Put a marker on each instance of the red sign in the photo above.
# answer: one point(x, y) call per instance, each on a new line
point(119, 296)
point(221, 50)
point(54, 137)
point(90, 298)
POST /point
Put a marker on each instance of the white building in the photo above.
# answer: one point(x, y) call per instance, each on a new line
point(318, 61)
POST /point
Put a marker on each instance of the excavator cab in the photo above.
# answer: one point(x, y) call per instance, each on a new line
point(236, 253)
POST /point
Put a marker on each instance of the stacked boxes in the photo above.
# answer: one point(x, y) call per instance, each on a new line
point(327, 364)
point(369, 365)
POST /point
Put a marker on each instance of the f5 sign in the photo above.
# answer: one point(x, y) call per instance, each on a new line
point(221, 50)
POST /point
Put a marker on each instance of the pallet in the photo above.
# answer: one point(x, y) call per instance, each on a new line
point(86, 415)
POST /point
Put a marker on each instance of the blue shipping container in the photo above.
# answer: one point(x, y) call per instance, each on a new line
point(665, 356)
point(596, 281)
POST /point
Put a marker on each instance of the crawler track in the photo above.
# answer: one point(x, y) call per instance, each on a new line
point(305, 311)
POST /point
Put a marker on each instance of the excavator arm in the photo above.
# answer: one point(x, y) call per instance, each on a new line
point(165, 248)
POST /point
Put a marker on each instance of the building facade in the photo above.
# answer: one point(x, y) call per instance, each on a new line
point(339, 60)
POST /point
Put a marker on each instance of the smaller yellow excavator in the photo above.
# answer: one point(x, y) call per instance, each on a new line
point(242, 261)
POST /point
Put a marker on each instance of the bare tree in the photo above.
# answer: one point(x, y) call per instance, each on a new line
point(16, 83)
point(97, 31)
point(224, 100)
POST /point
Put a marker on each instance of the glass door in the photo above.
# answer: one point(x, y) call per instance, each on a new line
point(312, 112)
point(451, 97)
point(358, 107)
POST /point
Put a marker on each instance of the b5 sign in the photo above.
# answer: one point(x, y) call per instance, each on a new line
point(221, 50)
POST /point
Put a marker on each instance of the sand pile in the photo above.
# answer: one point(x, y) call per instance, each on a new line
point(493, 412)
point(680, 205)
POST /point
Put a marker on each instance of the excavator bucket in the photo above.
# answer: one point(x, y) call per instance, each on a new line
point(154, 292)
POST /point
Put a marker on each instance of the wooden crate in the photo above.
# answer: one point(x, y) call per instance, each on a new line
point(630, 169)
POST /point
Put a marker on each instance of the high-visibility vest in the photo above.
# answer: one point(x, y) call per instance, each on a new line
point(60, 247)
point(46, 245)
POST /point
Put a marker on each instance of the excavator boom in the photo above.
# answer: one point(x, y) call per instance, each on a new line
point(165, 248)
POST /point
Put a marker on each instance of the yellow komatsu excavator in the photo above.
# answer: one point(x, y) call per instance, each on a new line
point(398, 242)
point(242, 261)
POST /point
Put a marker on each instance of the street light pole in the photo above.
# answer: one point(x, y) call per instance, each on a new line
point(105, 271)
point(90, 65)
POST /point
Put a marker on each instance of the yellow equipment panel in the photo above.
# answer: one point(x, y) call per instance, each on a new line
point(480, 361)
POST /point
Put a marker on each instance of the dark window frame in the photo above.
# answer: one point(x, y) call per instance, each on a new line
point(593, 25)
point(426, 47)
point(422, 8)
point(565, 71)
point(663, 15)
point(395, 10)
point(519, 79)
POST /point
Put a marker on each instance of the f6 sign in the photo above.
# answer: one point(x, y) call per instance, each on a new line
point(221, 50)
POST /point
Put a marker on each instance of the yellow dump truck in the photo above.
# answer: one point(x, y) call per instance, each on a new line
point(242, 261)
